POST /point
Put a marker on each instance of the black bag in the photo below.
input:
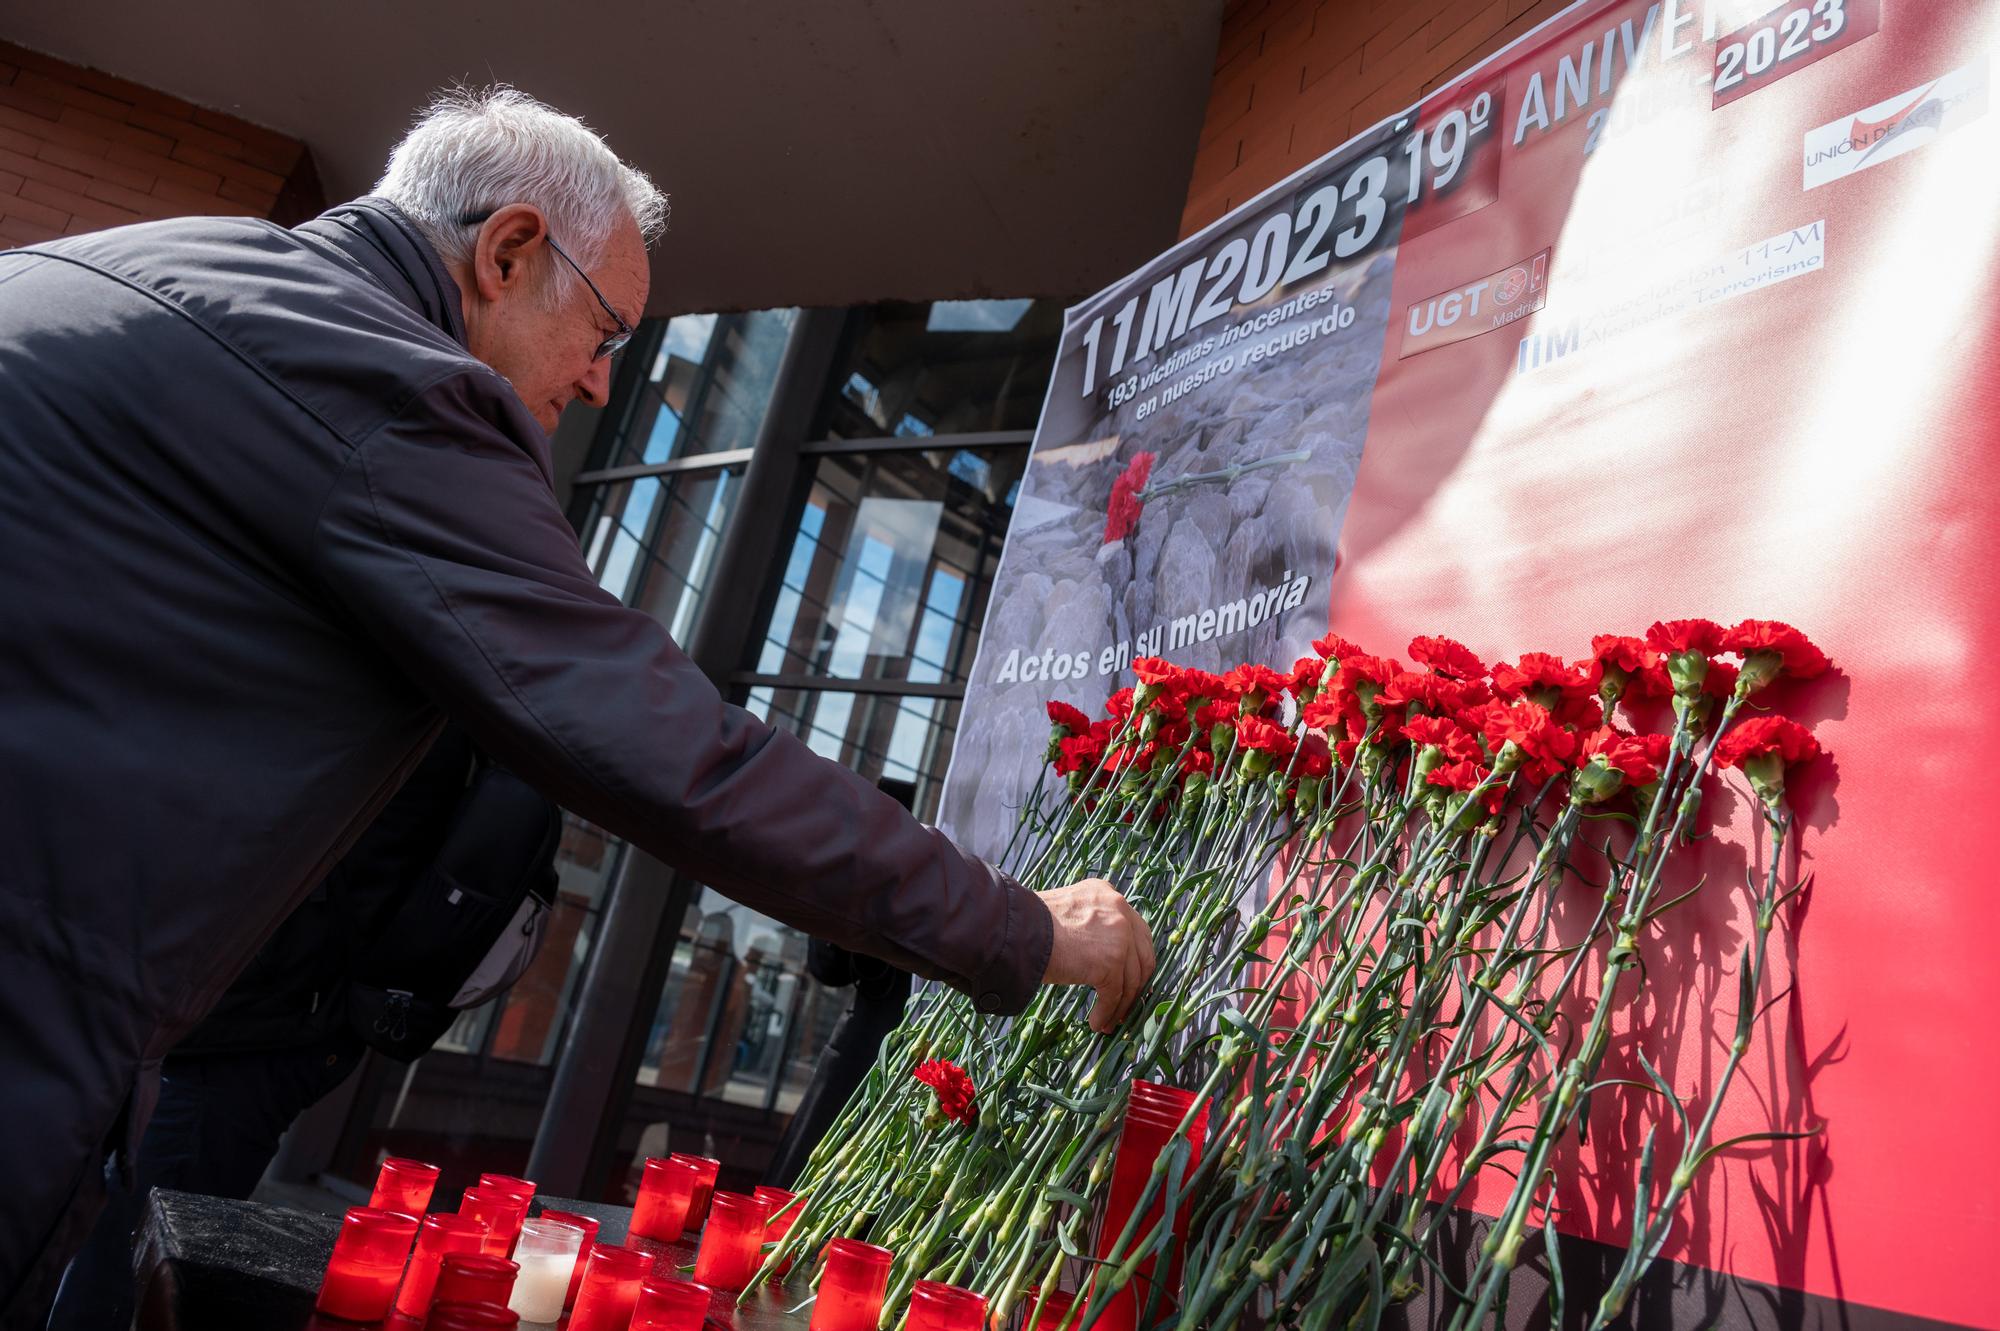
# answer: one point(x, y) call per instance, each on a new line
point(476, 914)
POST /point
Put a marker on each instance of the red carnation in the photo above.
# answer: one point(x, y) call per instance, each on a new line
point(1541, 748)
point(1447, 736)
point(1322, 713)
point(1254, 732)
point(1062, 715)
point(1307, 672)
point(1763, 747)
point(1628, 654)
point(955, 1093)
point(1438, 694)
point(1259, 679)
point(1447, 657)
point(1720, 680)
point(1336, 648)
point(1119, 704)
point(1220, 712)
point(1155, 670)
point(1078, 753)
point(1122, 514)
point(1315, 759)
point(1631, 756)
point(1685, 635)
point(1769, 648)
point(1464, 777)
point(1536, 669)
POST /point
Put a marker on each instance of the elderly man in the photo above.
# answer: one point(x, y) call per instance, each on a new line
point(272, 503)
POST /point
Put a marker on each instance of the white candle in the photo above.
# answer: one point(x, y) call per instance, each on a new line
point(539, 1288)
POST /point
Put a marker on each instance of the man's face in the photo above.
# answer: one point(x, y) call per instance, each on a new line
point(546, 347)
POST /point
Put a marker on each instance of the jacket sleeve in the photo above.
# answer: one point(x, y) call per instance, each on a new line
point(442, 539)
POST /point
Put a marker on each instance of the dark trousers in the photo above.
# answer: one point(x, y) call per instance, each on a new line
point(876, 1010)
point(214, 1131)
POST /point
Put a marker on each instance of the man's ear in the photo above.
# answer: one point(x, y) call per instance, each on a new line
point(507, 242)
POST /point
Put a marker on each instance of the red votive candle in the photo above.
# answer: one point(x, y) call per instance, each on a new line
point(732, 1242)
point(403, 1186)
point(666, 1196)
point(704, 1188)
point(670, 1304)
point(851, 1288)
point(438, 1235)
point(589, 1228)
point(470, 1317)
point(939, 1307)
point(610, 1288)
point(367, 1263)
point(500, 1211)
point(1151, 1116)
point(1049, 1312)
point(786, 1208)
point(474, 1277)
point(508, 1183)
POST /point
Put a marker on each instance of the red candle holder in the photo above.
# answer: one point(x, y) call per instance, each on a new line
point(732, 1242)
point(367, 1263)
point(1151, 1116)
point(507, 1183)
point(852, 1286)
point(704, 1188)
point(666, 1197)
point(404, 1186)
point(436, 1237)
point(935, 1306)
point(474, 1277)
point(470, 1317)
point(1049, 1312)
point(670, 1304)
point(610, 1288)
point(589, 1228)
point(786, 1208)
point(500, 1211)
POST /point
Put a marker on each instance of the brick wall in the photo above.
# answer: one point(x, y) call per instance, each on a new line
point(1297, 78)
point(81, 150)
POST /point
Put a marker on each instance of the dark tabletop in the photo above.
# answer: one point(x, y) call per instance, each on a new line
point(210, 1264)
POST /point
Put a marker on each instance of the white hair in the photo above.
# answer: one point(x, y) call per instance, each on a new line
point(472, 151)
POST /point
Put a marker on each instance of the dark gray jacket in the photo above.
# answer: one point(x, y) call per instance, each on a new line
point(263, 521)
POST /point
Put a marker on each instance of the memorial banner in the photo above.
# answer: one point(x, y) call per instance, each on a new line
point(1667, 309)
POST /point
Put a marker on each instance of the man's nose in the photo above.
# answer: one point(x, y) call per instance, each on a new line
point(595, 386)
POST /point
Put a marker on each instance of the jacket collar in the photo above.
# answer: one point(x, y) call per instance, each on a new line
point(379, 237)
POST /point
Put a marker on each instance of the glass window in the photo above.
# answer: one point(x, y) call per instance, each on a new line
point(899, 737)
point(651, 541)
point(943, 367)
point(706, 389)
point(889, 566)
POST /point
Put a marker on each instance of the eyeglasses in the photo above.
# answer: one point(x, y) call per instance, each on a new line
point(610, 344)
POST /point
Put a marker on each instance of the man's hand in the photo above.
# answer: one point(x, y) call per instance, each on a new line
point(1099, 941)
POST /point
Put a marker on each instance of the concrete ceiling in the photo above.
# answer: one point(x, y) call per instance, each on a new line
point(818, 152)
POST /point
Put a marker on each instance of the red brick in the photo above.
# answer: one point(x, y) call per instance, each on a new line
point(50, 131)
point(1214, 162)
point(1319, 118)
point(9, 183)
point(97, 168)
point(19, 231)
point(78, 205)
point(197, 200)
point(139, 201)
point(16, 142)
point(15, 205)
point(188, 132)
point(1239, 43)
point(7, 72)
point(228, 167)
point(261, 147)
point(165, 168)
point(36, 169)
point(108, 85)
point(1228, 99)
point(1258, 170)
point(40, 107)
point(115, 130)
point(69, 93)
point(1473, 40)
point(261, 199)
point(1288, 31)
